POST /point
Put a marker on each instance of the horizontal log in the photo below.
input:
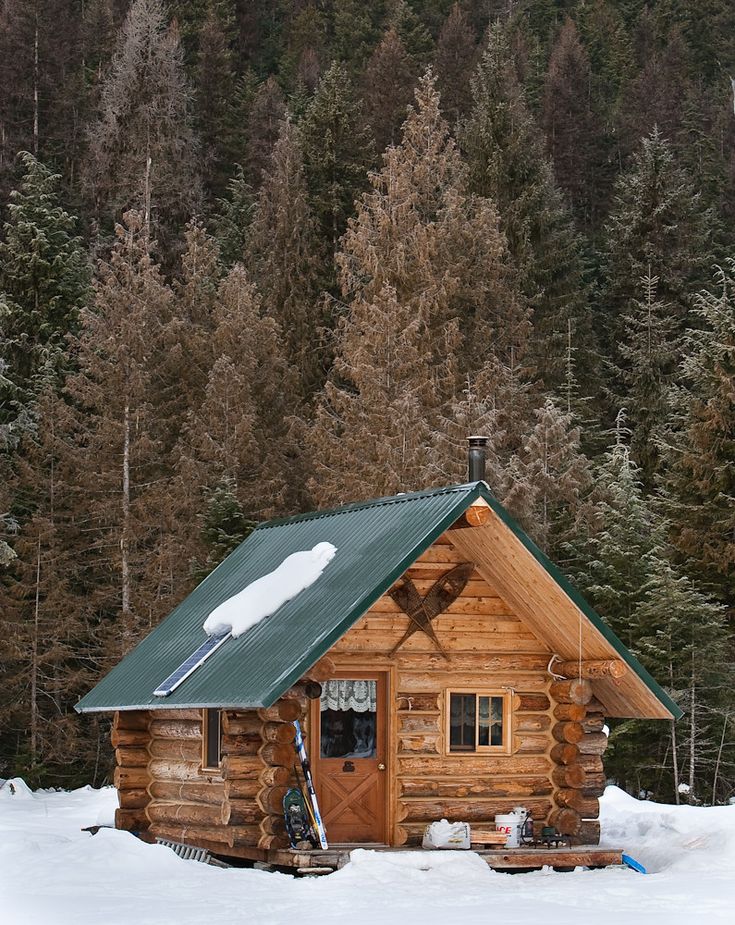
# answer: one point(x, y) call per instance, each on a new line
point(132, 720)
point(420, 744)
point(241, 745)
point(595, 783)
point(461, 788)
point(131, 820)
point(277, 754)
point(574, 712)
point(271, 800)
point(591, 669)
point(130, 756)
point(130, 778)
point(129, 737)
point(245, 812)
point(285, 710)
point(478, 809)
point(478, 604)
point(529, 744)
point(176, 728)
point(594, 706)
point(419, 670)
point(241, 722)
point(242, 768)
point(564, 753)
point(273, 825)
point(593, 743)
point(589, 808)
point(285, 733)
point(245, 836)
point(571, 775)
point(591, 763)
point(188, 791)
point(418, 723)
point(418, 701)
point(531, 722)
point(199, 835)
point(570, 798)
point(243, 789)
point(273, 842)
point(518, 641)
point(176, 749)
point(589, 833)
point(276, 776)
point(206, 814)
point(194, 713)
point(530, 703)
point(567, 821)
point(568, 732)
point(471, 765)
point(171, 769)
point(322, 670)
point(593, 722)
point(133, 799)
point(574, 691)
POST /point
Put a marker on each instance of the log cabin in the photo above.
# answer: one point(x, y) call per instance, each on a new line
point(441, 667)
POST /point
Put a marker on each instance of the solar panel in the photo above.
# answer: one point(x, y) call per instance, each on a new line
point(198, 657)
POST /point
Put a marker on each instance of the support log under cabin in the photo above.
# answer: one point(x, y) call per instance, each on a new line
point(441, 667)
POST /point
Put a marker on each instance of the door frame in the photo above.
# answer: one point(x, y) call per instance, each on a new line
point(359, 673)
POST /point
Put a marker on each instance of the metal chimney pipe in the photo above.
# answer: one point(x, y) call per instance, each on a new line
point(477, 447)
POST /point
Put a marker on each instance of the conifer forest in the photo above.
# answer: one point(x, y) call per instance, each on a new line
point(266, 256)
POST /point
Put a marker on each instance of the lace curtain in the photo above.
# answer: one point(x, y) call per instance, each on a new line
point(359, 696)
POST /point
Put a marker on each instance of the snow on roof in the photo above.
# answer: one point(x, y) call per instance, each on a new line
point(265, 595)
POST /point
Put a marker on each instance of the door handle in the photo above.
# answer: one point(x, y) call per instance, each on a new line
point(381, 766)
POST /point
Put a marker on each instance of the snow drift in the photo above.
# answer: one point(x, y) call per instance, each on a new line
point(265, 595)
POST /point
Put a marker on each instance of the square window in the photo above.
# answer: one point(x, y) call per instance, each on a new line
point(477, 721)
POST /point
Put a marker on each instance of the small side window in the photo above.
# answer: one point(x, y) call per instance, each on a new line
point(477, 721)
point(211, 740)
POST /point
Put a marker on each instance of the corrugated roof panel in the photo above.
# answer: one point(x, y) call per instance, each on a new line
point(375, 543)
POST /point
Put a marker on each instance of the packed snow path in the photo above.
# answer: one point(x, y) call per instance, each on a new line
point(51, 873)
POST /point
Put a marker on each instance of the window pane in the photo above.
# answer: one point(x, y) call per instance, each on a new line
point(212, 738)
point(496, 721)
point(462, 722)
point(348, 719)
point(483, 725)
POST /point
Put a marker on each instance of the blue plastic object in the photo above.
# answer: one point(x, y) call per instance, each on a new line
point(633, 864)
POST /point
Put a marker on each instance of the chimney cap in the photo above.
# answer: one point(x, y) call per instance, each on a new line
point(477, 440)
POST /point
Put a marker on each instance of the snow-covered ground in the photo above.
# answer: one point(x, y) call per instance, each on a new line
point(51, 873)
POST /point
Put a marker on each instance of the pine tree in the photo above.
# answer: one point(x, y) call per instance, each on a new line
point(507, 164)
point(387, 87)
point(700, 447)
point(455, 60)
point(657, 227)
point(570, 123)
point(142, 149)
point(650, 355)
point(44, 284)
point(337, 151)
point(287, 263)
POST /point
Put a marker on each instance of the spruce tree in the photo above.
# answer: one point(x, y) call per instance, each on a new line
point(142, 149)
point(700, 446)
point(337, 151)
point(506, 163)
point(455, 60)
point(286, 260)
point(265, 115)
point(44, 284)
point(387, 88)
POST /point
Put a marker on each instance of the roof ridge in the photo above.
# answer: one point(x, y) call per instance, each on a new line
point(400, 498)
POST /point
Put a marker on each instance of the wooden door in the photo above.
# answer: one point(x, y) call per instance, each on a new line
point(350, 759)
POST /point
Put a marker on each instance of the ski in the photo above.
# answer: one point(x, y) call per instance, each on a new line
point(306, 770)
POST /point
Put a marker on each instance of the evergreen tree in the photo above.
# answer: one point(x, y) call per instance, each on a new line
point(387, 88)
point(337, 150)
point(287, 263)
point(507, 164)
point(700, 447)
point(265, 115)
point(235, 212)
point(658, 227)
point(455, 60)
point(356, 27)
point(142, 149)
point(224, 525)
point(44, 284)
point(570, 123)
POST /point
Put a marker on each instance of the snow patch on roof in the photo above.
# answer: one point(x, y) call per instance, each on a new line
point(265, 595)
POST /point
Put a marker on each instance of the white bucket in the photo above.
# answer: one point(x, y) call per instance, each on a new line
point(509, 824)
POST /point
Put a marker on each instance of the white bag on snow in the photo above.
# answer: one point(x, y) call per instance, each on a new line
point(445, 834)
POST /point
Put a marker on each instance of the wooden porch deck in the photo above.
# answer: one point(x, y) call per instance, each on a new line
point(504, 859)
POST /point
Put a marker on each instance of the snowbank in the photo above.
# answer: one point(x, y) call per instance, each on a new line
point(52, 873)
point(265, 595)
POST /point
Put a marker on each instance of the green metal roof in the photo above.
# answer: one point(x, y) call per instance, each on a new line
point(376, 542)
